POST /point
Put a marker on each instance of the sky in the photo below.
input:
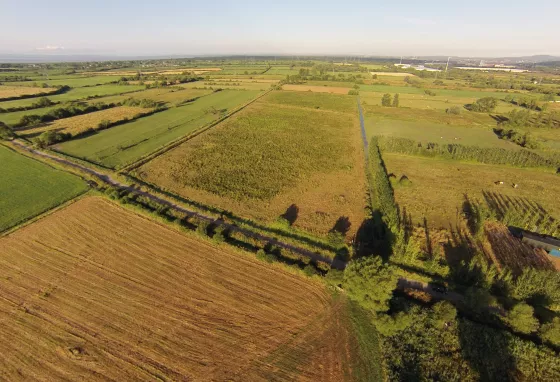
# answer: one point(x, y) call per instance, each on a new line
point(487, 28)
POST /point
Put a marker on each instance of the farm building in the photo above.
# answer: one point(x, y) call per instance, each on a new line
point(545, 242)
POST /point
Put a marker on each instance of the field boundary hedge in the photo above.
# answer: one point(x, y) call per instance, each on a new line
point(171, 145)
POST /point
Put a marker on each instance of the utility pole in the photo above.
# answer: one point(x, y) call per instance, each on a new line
point(447, 65)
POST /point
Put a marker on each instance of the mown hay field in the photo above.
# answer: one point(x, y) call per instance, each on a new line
point(438, 187)
point(289, 153)
point(123, 144)
point(29, 188)
point(18, 91)
point(76, 94)
point(96, 292)
point(90, 121)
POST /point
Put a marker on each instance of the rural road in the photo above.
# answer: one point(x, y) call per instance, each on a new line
point(456, 298)
point(405, 283)
point(363, 127)
point(336, 263)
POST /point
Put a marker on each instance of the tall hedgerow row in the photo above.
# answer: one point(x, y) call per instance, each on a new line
point(518, 158)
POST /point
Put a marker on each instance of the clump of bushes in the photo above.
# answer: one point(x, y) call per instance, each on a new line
point(50, 138)
point(5, 132)
point(484, 105)
point(353, 92)
point(524, 140)
point(429, 92)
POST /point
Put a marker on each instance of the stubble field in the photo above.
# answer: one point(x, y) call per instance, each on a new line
point(96, 292)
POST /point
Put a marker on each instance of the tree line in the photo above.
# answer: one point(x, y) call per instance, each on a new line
point(488, 155)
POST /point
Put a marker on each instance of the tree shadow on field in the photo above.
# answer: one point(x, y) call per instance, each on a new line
point(291, 214)
point(342, 225)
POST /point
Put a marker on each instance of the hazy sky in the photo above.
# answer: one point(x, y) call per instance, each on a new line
point(399, 27)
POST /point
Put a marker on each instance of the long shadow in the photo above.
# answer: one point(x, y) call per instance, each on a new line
point(291, 214)
point(232, 217)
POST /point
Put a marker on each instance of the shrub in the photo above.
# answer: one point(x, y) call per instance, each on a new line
point(455, 110)
point(202, 228)
point(353, 92)
point(261, 254)
point(219, 237)
point(429, 92)
point(51, 137)
point(522, 319)
point(551, 331)
point(5, 132)
point(484, 105)
point(309, 270)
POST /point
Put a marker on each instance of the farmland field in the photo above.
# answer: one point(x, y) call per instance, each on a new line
point(81, 123)
point(29, 188)
point(74, 82)
point(14, 117)
point(169, 96)
point(317, 89)
point(16, 91)
point(287, 149)
point(438, 187)
point(98, 292)
point(126, 143)
point(75, 94)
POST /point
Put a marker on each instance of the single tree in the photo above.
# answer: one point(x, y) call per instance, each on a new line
point(370, 282)
point(386, 100)
point(396, 100)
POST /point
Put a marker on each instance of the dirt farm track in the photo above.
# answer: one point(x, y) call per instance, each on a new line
point(97, 292)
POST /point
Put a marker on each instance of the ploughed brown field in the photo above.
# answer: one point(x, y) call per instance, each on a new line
point(96, 292)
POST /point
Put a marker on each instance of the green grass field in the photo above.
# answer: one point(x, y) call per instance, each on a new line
point(29, 188)
point(14, 117)
point(121, 145)
point(75, 94)
point(168, 95)
point(73, 82)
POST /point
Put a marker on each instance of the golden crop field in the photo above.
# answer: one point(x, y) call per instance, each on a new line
point(81, 123)
point(96, 292)
point(18, 91)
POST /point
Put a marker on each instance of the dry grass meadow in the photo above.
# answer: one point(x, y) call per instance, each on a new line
point(438, 187)
point(317, 89)
point(18, 91)
point(96, 292)
point(81, 123)
point(286, 149)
